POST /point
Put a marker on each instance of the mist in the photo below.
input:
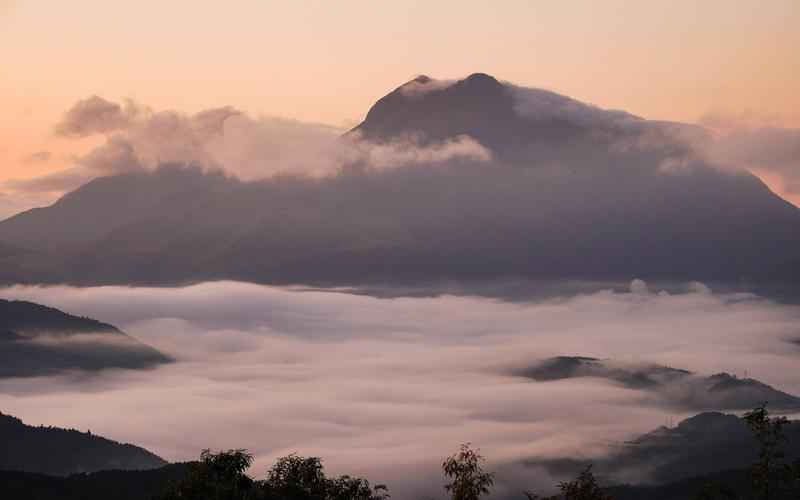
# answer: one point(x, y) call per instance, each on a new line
point(386, 387)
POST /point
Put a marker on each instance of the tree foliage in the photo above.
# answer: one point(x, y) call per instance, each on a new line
point(468, 479)
point(303, 478)
point(768, 432)
point(217, 476)
point(584, 487)
point(222, 476)
point(772, 477)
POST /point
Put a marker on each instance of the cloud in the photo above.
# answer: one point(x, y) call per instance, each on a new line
point(139, 139)
point(757, 143)
point(254, 148)
point(116, 156)
point(225, 138)
point(540, 104)
point(386, 387)
point(739, 142)
point(95, 115)
point(409, 151)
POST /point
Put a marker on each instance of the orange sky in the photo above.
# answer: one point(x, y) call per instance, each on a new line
point(329, 61)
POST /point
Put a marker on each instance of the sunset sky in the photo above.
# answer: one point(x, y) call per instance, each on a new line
point(329, 61)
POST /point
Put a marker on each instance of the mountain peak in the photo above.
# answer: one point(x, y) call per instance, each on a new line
point(481, 79)
point(422, 79)
point(441, 109)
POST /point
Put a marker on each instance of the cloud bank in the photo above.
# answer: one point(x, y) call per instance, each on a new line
point(138, 138)
point(387, 387)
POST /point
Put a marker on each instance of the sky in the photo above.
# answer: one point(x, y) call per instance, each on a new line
point(327, 62)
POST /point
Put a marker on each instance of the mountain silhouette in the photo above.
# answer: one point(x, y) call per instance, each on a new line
point(570, 191)
point(39, 340)
point(61, 452)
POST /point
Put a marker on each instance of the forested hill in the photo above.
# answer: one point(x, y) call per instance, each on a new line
point(60, 452)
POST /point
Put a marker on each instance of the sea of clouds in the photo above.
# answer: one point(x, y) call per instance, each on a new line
point(386, 387)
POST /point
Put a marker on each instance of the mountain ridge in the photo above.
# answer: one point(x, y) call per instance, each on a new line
point(666, 385)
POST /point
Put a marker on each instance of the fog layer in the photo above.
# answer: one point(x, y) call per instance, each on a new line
point(387, 387)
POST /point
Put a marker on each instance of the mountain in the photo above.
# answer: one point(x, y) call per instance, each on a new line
point(564, 191)
point(39, 340)
point(61, 452)
point(706, 443)
point(667, 386)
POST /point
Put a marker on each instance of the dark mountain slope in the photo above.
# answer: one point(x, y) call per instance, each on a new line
point(100, 206)
point(60, 452)
point(39, 340)
point(703, 444)
point(738, 481)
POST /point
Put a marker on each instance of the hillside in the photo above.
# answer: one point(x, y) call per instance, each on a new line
point(704, 444)
point(61, 452)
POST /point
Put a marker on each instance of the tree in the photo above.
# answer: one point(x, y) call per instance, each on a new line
point(297, 478)
point(468, 480)
point(771, 476)
point(584, 487)
point(217, 476)
point(355, 488)
point(221, 476)
point(303, 478)
point(768, 431)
